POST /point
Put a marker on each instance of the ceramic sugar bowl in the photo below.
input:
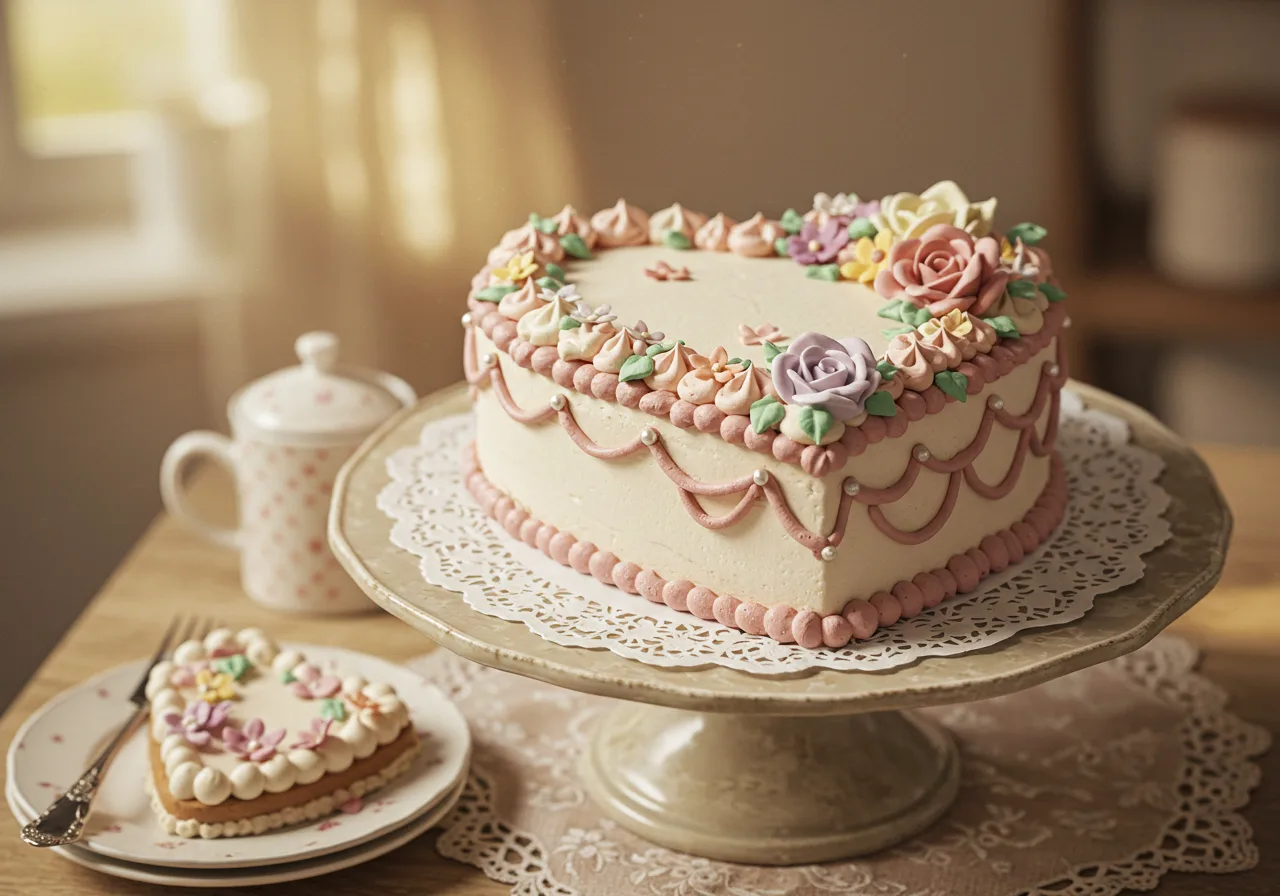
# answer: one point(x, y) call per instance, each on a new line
point(291, 431)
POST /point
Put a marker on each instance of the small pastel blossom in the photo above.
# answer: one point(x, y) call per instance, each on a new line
point(760, 335)
point(254, 742)
point(1025, 262)
point(183, 677)
point(200, 723)
point(518, 268)
point(313, 738)
point(567, 293)
point(215, 687)
point(664, 271)
point(583, 313)
point(867, 257)
point(640, 333)
point(310, 684)
point(719, 366)
point(816, 244)
point(841, 205)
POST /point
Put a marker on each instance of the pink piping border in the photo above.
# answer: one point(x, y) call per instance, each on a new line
point(858, 620)
point(736, 429)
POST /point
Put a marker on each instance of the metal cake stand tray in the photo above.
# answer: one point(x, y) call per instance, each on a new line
point(792, 769)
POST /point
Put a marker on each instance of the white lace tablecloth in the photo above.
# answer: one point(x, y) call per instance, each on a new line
point(1114, 516)
point(1101, 781)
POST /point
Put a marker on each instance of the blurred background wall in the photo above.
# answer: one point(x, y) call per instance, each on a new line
point(186, 185)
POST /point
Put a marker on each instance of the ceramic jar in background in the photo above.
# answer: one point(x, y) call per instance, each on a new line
point(290, 433)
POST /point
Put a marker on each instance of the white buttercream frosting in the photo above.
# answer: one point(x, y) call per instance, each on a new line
point(182, 780)
point(286, 661)
point(220, 639)
point(279, 772)
point(211, 786)
point(542, 325)
point(363, 739)
point(247, 781)
point(189, 652)
point(260, 652)
point(309, 765)
point(177, 757)
point(337, 754)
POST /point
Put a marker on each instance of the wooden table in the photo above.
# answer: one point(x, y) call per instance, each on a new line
point(172, 571)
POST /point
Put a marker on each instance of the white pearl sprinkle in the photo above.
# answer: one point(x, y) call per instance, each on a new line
point(760, 477)
point(851, 487)
point(922, 454)
point(828, 553)
point(649, 435)
point(558, 402)
point(1053, 370)
point(996, 402)
point(489, 359)
point(1066, 323)
point(466, 319)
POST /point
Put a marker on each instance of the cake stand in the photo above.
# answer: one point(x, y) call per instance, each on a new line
point(787, 769)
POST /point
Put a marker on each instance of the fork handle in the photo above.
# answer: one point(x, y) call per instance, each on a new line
point(63, 822)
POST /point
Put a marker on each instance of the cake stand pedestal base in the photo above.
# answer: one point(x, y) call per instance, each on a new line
point(771, 790)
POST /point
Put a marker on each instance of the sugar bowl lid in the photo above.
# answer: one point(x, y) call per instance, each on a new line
point(318, 400)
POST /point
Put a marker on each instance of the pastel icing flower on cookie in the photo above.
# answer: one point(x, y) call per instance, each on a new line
point(760, 335)
point(908, 216)
point(971, 335)
point(818, 371)
point(314, 737)
point(713, 236)
point(568, 222)
point(816, 244)
point(516, 269)
point(622, 224)
point(253, 742)
point(755, 237)
point(675, 226)
point(866, 257)
point(745, 388)
point(311, 684)
point(214, 687)
point(200, 723)
point(707, 375)
point(515, 305)
point(670, 367)
point(943, 270)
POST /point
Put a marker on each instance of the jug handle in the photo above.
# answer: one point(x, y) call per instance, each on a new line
point(214, 446)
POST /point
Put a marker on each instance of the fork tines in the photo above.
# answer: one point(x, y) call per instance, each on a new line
point(180, 629)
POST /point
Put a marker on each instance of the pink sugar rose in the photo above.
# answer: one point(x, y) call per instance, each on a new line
point(944, 270)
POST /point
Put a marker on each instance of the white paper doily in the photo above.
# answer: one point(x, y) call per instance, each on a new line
point(1114, 516)
point(1096, 783)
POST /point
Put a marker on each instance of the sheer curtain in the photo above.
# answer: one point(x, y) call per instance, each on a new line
point(389, 142)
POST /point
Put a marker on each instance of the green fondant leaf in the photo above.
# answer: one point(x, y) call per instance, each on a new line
point(746, 363)
point(1021, 289)
point(791, 221)
point(815, 422)
point(659, 348)
point(637, 367)
point(541, 224)
point(886, 369)
point(772, 350)
point(860, 227)
point(880, 404)
point(913, 316)
point(896, 331)
point(767, 413)
point(554, 270)
point(235, 666)
point(1029, 233)
point(953, 383)
point(333, 708)
point(494, 293)
point(780, 246)
point(734, 361)
point(677, 240)
point(828, 272)
point(1051, 292)
point(288, 677)
point(891, 310)
point(1004, 326)
point(575, 245)
point(548, 283)
point(568, 323)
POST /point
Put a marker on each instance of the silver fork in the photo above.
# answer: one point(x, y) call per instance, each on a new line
point(63, 822)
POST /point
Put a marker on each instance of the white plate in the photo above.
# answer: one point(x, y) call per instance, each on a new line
point(251, 877)
point(56, 744)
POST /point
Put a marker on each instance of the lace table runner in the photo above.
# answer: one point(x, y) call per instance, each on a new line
point(1114, 516)
point(1101, 781)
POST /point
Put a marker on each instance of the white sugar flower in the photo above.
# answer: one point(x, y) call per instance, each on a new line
point(841, 205)
point(640, 333)
point(568, 292)
point(585, 314)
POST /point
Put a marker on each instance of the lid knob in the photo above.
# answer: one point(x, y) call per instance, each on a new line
point(318, 349)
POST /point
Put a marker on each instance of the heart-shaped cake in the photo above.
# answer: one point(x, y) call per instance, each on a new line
point(805, 427)
point(246, 738)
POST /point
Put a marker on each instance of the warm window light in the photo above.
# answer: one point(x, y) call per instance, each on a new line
point(411, 134)
point(338, 83)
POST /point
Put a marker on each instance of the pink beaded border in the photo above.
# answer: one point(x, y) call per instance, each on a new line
point(858, 620)
point(736, 428)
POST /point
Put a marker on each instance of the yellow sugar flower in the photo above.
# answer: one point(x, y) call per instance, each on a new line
point(956, 322)
point(214, 687)
point(869, 258)
point(518, 268)
point(1007, 252)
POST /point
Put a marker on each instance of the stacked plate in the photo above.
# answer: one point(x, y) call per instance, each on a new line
point(124, 838)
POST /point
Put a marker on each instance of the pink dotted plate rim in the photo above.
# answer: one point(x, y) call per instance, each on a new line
point(33, 776)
